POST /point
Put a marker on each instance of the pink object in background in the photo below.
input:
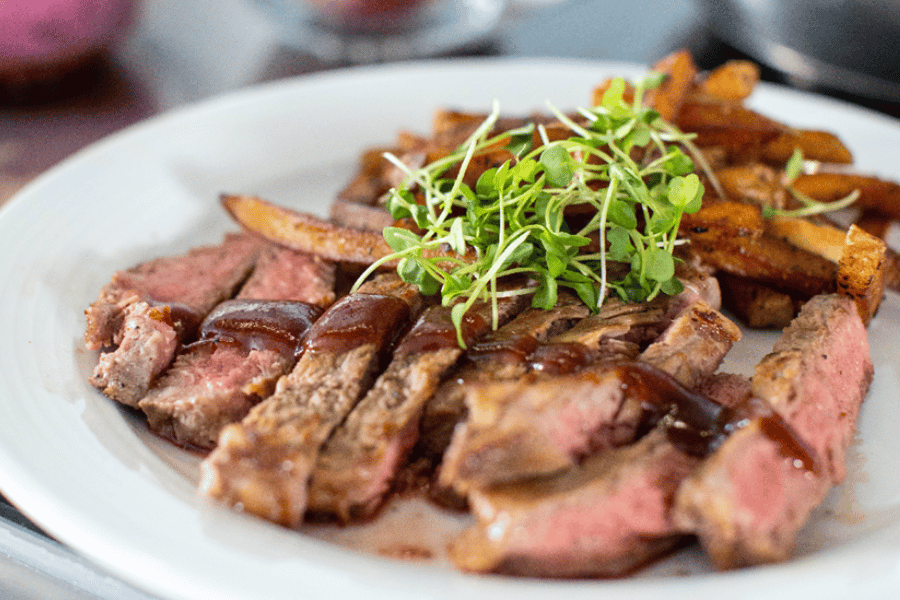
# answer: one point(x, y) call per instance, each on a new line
point(368, 15)
point(41, 37)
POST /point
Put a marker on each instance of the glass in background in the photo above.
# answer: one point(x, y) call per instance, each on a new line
point(351, 32)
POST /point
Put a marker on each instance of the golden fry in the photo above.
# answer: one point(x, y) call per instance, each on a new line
point(733, 81)
point(727, 124)
point(816, 145)
point(875, 193)
point(305, 232)
point(860, 272)
point(825, 240)
point(680, 72)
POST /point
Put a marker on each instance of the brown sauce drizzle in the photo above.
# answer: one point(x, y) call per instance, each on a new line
point(183, 318)
point(502, 347)
point(356, 320)
point(789, 445)
point(435, 331)
point(278, 325)
point(560, 358)
point(697, 425)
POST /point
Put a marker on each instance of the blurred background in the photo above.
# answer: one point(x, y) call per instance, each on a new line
point(74, 71)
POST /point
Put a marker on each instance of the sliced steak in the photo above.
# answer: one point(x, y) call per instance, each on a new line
point(143, 313)
point(693, 345)
point(748, 500)
point(500, 355)
point(539, 425)
point(608, 515)
point(284, 274)
point(262, 464)
point(604, 519)
point(147, 342)
point(359, 463)
point(207, 387)
point(532, 426)
point(244, 348)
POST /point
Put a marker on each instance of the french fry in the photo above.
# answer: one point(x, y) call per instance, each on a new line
point(740, 218)
point(752, 253)
point(680, 72)
point(727, 124)
point(816, 145)
point(860, 273)
point(875, 193)
point(830, 242)
point(753, 182)
point(825, 240)
point(304, 232)
point(732, 81)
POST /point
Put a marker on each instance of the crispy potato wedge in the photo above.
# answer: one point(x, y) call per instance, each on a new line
point(860, 273)
point(822, 146)
point(727, 124)
point(875, 193)
point(754, 182)
point(764, 258)
point(732, 81)
point(305, 232)
point(680, 72)
point(825, 240)
point(740, 218)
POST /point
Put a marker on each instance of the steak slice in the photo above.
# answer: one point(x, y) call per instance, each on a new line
point(207, 387)
point(246, 346)
point(359, 463)
point(604, 519)
point(262, 464)
point(612, 513)
point(143, 313)
point(283, 274)
point(540, 425)
point(535, 426)
point(693, 345)
point(749, 499)
point(501, 354)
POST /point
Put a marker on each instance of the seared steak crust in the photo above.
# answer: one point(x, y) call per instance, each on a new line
point(359, 463)
point(750, 498)
point(144, 313)
point(500, 355)
point(246, 346)
point(263, 463)
point(539, 425)
point(694, 344)
point(604, 519)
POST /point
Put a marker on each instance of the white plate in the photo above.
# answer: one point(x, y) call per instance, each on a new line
point(87, 471)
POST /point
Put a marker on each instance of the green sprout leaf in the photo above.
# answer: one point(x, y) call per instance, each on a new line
point(622, 171)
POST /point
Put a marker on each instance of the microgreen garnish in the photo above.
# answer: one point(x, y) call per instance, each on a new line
point(622, 170)
point(810, 206)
